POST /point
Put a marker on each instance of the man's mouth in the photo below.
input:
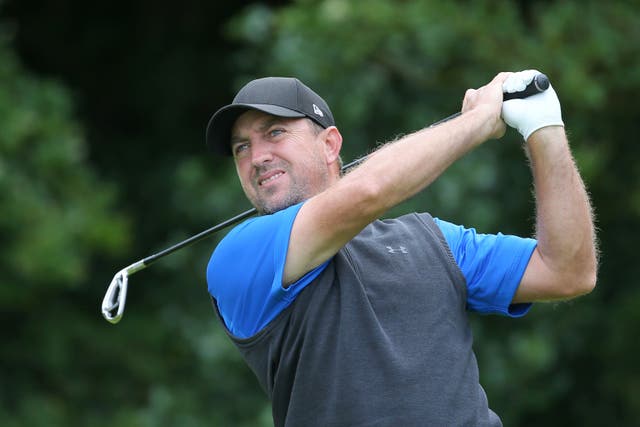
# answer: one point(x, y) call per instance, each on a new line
point(270, 178)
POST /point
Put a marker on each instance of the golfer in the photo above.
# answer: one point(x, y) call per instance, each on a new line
point(351, 320)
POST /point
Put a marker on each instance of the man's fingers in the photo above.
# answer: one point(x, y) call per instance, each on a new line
point(501, 77)
point(469, 99)
point(491, 93)
point(517, 82)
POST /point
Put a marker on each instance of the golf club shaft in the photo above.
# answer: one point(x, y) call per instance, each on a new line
point(539, 84)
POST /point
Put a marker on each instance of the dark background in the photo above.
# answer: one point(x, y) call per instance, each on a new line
point(103, 107)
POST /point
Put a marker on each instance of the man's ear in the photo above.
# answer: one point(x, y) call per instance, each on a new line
point(332, 144)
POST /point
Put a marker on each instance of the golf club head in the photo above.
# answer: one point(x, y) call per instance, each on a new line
point(115, 298)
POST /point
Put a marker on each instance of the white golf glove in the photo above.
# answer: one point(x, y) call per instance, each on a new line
point(535, 112)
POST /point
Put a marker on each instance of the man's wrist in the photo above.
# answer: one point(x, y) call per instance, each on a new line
point(546, 133)
point(486, 123)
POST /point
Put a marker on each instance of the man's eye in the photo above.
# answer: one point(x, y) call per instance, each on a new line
point(275, 132)
point(239, 148)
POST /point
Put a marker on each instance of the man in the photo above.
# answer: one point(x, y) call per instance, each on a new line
point(348, 320)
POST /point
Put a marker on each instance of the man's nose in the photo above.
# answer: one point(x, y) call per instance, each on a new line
point(260, 153)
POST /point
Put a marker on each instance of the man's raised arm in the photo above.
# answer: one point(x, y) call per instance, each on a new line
point(564, 264)
point(392, 174)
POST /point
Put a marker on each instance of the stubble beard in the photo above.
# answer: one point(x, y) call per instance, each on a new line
point(300, 189)
point(266, 207)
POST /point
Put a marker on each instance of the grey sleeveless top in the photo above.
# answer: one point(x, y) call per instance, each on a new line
point(380, 338)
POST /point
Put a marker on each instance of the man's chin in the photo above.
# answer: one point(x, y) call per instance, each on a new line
point(270, 207)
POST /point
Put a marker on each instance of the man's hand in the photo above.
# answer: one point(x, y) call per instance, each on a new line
point(488, 97)
point(535, 112)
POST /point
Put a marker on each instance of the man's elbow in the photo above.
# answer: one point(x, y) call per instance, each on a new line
point(581, 282)
point(587, 284)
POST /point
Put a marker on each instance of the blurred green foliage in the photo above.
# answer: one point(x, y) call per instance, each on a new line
point(54, 211)
point(102, 162)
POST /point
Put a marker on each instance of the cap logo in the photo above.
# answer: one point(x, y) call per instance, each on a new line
point(317, 110)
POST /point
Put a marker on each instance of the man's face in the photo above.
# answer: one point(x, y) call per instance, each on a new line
point(280, 161)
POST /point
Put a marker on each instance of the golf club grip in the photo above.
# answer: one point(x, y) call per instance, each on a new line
point(538, 84)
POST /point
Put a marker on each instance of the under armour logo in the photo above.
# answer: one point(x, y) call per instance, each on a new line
point(317, 110)
point(399, 249)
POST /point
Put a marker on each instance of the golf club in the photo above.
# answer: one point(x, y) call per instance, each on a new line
point(116, 295)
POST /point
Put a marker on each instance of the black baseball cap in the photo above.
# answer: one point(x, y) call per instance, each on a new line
point(279, 96)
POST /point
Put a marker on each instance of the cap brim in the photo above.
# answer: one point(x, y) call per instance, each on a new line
point(218, 133)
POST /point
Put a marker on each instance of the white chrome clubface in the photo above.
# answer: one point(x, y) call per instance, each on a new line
point(115, 298)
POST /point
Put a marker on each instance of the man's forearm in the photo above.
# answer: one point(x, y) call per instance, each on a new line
point(564, 221)
point(402, 168)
